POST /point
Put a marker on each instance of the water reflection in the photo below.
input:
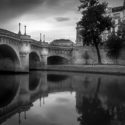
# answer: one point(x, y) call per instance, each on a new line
point(91, 110)
point(107, 104)
point(56, 77)
point(8, 89)
point(53, 98)
point(34, 79)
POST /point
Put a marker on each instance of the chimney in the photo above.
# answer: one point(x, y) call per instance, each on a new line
point(40, 37)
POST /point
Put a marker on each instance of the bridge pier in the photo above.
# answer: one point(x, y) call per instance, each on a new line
point(44, 57)
point(24, 58)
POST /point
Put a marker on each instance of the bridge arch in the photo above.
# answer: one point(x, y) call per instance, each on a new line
point(57, 60)
point(9, 59)
point(34, 60)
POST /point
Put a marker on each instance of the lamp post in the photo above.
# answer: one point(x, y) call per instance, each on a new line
point(25, 30)
point(19, 29)
point(40, 37)
point(44, 38)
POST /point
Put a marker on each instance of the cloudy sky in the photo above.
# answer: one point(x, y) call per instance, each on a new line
point(55, 18)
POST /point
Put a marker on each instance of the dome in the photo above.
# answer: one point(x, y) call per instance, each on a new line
point(62, 42)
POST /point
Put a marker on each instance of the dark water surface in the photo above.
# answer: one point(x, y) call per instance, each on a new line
point(53, 98)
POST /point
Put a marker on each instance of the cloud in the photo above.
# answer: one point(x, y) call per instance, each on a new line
point(10, 9)
point(18, 3)
point(53, 2)
point(62, 19)
point(32, 12)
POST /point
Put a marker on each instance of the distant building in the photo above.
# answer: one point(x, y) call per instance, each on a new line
point(61, 42)
point(79, 39)
point(118, 16)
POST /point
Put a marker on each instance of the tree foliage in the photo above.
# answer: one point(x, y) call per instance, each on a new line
point(94, 22)
point(114, 45)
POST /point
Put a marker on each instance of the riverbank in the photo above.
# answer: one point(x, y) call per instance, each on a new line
point(99, 69)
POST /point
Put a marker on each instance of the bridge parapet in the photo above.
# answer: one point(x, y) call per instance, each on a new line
point(6, 33)
point(38, 43)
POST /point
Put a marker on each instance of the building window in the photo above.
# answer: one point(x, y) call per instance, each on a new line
point(116, 15)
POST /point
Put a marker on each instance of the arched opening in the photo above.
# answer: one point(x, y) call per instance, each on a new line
point(34, 61)
point(8, 58)
point(57, 60)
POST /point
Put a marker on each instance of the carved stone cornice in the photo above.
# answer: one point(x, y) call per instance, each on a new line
point(23, 54)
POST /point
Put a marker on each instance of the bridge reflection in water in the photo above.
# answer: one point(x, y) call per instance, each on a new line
point(62, 98)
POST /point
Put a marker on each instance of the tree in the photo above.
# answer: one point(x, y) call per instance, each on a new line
point(114, 45)
point(94, 22)
point(86, 56)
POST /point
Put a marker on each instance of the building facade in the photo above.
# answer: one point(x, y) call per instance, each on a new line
point(118, 15)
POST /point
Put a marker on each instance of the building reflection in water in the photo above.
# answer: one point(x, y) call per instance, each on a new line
point(99, 99)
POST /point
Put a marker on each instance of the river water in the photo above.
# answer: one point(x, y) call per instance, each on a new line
point(60, 98)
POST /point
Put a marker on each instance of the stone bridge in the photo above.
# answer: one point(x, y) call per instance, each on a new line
point(19, 53)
